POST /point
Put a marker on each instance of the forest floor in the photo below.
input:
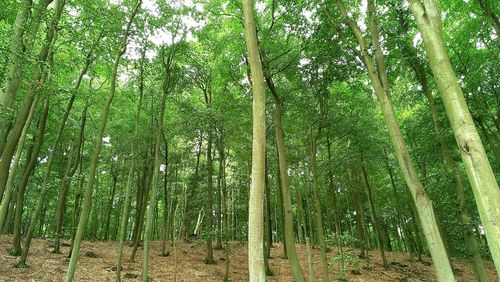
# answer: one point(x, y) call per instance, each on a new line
point(97, 261)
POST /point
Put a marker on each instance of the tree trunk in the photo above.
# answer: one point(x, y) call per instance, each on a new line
point(423, 204)
point(281, 211)
point(39, 78)
point(420, 73)
point(157, 162)
point(72, 162)
point(209, 259)
point(399, 211)
point(38, 210)
point(74, 157)
point(218, 213)
point(109, 207)
point(141, 210)
point(317, 204)
point(336, 213)
point(165, 215)
point(130, 177)
point(376, 223)
point(300, 215)
point(477, 166)
point(33, 152)
point(95, 157)
point(293, 261)
point(20, 46)
point(10, 181)
point(360, 218)
point(192, 189)
point(256, 268)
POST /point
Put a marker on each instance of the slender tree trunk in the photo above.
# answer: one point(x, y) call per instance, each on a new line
point(40, 207)
point(317, 203)
point(74, 159)
point(378, 77)
point(14, 73)
point(165, 215)
point(468, 233)
point(399, 211)
point(477, 166)
point(71, 165)
point(293, 261)
point(38, 210)
point(209, 259)
point(130, 178)
point(20, 46)
point(421, 76)
point(281, 211)
point(336, 213)
point(95, 158)
point(376, 222)
point(225, 224)
point(219, 198)
point(10, 181)
point(142, 211)
point(39, 78)
point(77, 205)
point(167, 61)
point(35, 150)
point(267, 224)
point(268, 232)
point(193, 188)
point(256, 267)
point(310, 264)
point(360, 218)
point(109, 207)
point(300, 215)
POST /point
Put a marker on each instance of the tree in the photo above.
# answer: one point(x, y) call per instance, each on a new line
point(478, 168)
point(95, 157)
point(256, 267)
point(378, 76)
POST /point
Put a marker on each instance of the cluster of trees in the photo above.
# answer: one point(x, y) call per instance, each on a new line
point(374, 124)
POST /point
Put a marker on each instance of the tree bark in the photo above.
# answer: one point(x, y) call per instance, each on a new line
point(293, 261)
point(16, 240)
point(10, 181)
point(72, 163)
point(317, 203)
point(209, 259)
point(256, 267)
point(193, 187)
point(422, 201)
point(477, 166)
point(130, 176)
point(336, 213)
point(20, 46)
point(168, 63)
point(95, 157)
point(376, 222)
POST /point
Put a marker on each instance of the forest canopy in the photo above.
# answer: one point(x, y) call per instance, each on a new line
point(333, 133)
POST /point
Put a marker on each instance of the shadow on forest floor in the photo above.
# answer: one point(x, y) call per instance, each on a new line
point(100, 265)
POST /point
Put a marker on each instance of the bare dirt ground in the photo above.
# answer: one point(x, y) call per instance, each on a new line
point(97, 261)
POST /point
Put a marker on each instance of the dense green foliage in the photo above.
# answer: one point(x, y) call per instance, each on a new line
point(312, 57)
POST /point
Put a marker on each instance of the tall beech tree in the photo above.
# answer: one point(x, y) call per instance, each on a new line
point(478, 168)
point(377, 72)
point(256, 268)
point(95, 157)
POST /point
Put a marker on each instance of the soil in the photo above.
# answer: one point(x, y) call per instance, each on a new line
point(97, 263)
